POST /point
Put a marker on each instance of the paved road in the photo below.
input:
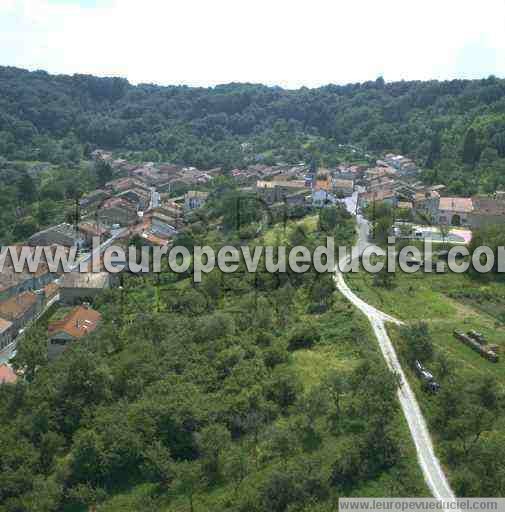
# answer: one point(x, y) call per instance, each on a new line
point(430, 465)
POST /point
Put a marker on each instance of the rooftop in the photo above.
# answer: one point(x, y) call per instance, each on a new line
point(17, 306)
point(63, 229)
point(196, 194)
point(85, 280)
point(456, 204)
point(4, 325)
point(7, 375)
point(79, 322)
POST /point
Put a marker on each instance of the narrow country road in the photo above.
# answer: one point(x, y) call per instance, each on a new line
point(430, 465)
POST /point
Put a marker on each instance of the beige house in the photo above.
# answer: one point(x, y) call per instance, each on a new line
point(454, 211)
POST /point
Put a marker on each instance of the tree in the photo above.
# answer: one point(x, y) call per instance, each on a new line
point(31, 352)
point(468, 426)
point(158, 464)
point(103, 172)
point(237, 466)
point(435, 150)
point(322, 290)
point(335, 386)
point(25, 228)
point(384, 279)
point(285, 387)
point(211, 442)
point(88, 495)
point(471, 150)
point(328, 219)
point(27, 189)
point(418, 342)
point(188, 480)
point(444, 232)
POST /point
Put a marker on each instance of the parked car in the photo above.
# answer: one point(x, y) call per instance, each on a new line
point(427, 378)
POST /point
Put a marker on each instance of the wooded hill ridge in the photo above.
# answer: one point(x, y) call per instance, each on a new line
point(433, 121)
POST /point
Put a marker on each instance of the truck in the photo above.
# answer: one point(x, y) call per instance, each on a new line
point(483, 350)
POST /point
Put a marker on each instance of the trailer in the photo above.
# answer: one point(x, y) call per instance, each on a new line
point(483, 350)
point(477, 336)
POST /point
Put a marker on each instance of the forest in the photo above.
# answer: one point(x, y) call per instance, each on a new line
point(454, 129)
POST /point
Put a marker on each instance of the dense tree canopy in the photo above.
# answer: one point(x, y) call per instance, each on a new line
point(50, 117)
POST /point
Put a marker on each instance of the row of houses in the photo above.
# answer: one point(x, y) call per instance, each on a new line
point(429, 203)
point(472, 212)
point(405, 166)
point(305, 186)
point(18, 311)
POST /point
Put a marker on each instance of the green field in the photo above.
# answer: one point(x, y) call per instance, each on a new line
point(447, 302)
point(468, 434)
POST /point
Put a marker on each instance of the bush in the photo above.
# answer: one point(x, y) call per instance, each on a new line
point(303, 337)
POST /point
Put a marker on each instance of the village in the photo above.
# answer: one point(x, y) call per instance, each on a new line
point(152, 202)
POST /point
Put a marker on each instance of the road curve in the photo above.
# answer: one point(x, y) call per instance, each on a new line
point(430, 465)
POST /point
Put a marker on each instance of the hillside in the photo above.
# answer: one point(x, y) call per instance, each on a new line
point(452, 127)
point(244, 393)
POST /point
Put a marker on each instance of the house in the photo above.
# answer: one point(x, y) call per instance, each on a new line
point(487, 211)
point(139, 198)
point(94, 198)
point(63, 234)
point(153, 240)
point(404, 165)
point(12, 283)
point(123, 184)
point(119, 163)
point(404, 205)
point(350, 172)
point(43, 266)
point(426, 203)
point(90, 230)
point(7, 375)
point(277, 190)
point(380, 196)
point(79, 287)
point(7, 333)
point(195, 199)
point(343, 187)
point(21, 309)
point(101, 154)
point(78, 323)
point(298, 198)
point(321, 198)
point(162, 224)
point(454, 211)
point(117, 211)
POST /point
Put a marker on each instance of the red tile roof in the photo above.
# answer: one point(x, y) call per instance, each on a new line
point(7, 375)
point(79, 322)
point(456, 204)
